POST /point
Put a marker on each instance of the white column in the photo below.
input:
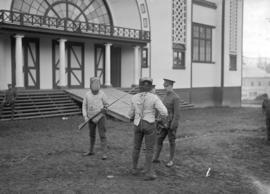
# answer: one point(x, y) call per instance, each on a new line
point(108, 64)
point(188, 58)
point(62, 63)
point(19, 61)
point(137, 66)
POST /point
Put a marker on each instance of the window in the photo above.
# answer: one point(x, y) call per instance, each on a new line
point(142, 8)
point(233, 62)
point(251, 83)
point(144, 57)
point(178, 56)
point(94, 11)
point(259, 83)
point(145, 22)
point(201, 43)
point(252, 94)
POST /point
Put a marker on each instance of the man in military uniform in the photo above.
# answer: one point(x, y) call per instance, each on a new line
point(142, 113)
point(95, 101)
point(266, 112)
point(171, 101)
point(9, 99)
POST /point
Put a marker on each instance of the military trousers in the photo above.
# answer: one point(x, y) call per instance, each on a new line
point(147, 131)
point(268, 128)
point(163, 132)
point(102, 133)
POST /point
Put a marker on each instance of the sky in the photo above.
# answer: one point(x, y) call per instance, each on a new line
point(256, 30)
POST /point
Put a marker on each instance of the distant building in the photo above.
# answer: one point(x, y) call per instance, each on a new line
point(50, 44)
point(255, 82)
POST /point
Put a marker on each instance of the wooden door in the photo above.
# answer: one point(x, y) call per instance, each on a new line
point(116, 66)
point(31, 63)
point(55, 63)
point(100, 63)
point(75, 64)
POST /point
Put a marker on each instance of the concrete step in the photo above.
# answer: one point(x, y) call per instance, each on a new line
point(44, 116)
point(39, 104)
point(43, 113)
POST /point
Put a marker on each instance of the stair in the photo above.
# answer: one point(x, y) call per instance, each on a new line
point(40, 104)
point(161, 93)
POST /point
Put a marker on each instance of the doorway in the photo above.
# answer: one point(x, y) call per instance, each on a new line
point(115, 65)
point(74, 64)
point(31, 63)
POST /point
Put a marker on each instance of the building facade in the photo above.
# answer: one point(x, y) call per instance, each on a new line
point(256, 82)
point(47, 44)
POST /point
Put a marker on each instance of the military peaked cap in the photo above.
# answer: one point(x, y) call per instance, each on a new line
point(168, 81)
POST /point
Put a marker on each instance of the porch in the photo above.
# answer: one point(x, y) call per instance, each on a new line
point(35, 39)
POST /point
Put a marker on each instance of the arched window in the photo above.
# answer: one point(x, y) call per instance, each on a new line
point(92, 11)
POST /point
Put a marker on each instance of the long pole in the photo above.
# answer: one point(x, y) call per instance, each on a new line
point(85, 122)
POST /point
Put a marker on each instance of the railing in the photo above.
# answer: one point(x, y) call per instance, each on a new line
point(37, 21)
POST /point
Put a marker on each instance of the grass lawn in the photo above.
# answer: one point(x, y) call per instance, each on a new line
point(45, 156)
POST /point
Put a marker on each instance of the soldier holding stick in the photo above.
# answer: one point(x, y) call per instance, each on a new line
point(94, 107)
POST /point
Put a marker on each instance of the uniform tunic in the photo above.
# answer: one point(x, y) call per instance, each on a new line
point(171, 101)
point(10, 96)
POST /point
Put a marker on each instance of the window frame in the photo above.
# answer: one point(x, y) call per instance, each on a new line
point(233, 66)
point(179, 49)
point(202, 37)
point(144, 60)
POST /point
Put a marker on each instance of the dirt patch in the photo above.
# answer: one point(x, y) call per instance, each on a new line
point(45, 156)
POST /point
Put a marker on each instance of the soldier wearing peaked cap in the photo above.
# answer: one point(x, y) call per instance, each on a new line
point(142, 113)
point(95, 101)
point(171, 101)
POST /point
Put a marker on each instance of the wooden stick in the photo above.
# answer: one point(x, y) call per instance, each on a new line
point(85, 122)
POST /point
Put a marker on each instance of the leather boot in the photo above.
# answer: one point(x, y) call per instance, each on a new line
point(92, 144)
point(172, 151)
point(135, 159)
point(91, 148)
point(157, 153)
point(104, 149)
point(149, 172)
